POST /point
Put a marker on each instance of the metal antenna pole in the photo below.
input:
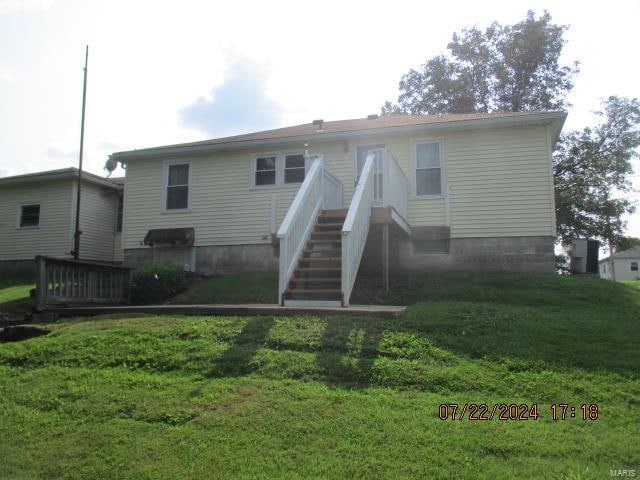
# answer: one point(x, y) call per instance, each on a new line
point(76, 235)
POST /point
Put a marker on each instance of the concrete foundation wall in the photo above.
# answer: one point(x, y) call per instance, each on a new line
point(219, 260)
point(22, 266)
point(508, 254)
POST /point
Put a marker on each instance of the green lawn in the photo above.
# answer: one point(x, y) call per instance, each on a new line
point(241, 288)
point(14, 292)
point(307, 397)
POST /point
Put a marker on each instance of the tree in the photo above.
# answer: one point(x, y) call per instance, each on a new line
point(591, 173)
point(510, 68)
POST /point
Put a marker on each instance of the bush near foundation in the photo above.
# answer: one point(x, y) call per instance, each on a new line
point(156, 283)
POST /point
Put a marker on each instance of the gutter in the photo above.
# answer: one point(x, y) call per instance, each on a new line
point(556, 119)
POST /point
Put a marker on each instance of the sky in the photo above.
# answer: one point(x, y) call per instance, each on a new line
point(163, 72)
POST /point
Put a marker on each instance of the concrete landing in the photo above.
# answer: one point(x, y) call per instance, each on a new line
point(385, 311)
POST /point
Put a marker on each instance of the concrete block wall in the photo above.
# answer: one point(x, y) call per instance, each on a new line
point(507, 254)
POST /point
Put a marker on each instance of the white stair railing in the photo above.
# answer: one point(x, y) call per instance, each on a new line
point(395, 185)
point(319, 190)
point(356, 228)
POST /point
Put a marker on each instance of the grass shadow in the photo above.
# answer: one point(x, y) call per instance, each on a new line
point(348, 350)
point(236, 360)
point(15, 298)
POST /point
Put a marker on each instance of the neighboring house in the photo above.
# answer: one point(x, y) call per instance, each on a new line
point(463, 192)
point(37, 217)
point(626, 263)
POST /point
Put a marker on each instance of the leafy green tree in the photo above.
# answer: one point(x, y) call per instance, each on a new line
point(591, 173)
point(509, 68)
point(626, 243)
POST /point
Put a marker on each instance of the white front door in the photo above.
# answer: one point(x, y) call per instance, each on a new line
point(362, 151)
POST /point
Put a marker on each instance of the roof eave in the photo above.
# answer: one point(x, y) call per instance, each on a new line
point(58, 175)
point(556, 119)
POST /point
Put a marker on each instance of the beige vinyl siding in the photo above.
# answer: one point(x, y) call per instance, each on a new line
point(97, 222)
point(118, 254)
point(500, 183)
point(53, 236)
point(224, 210)
point(499, 180)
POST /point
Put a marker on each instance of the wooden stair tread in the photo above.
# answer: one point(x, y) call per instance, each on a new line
point(326, 240)
point(314, 290)
point(316, 280)
point(334, 210)
point(317, 269)
point(334, 225)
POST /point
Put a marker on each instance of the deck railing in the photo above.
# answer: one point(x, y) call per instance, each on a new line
point(319, 190)
point(356, 228)
point(70, 282)
point(396, 185)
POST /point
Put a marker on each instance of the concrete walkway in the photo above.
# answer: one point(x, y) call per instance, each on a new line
point(385, 311)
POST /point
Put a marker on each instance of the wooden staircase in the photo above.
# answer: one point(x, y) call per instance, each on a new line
point(318, 275)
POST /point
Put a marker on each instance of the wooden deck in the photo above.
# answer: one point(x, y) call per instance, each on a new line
point(385, 311)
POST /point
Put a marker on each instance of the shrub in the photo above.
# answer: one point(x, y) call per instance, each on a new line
point(155, 283)
point(562, 265)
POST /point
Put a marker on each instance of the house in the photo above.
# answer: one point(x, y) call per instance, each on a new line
point(626, 264)
point(322, 201)
point(37, 217)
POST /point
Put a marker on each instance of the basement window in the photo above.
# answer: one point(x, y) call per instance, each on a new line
point(427, 247)
point(178, 186)
point(29, 216)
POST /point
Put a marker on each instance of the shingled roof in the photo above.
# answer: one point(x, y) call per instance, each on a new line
point(63, 173)
point(331, 129)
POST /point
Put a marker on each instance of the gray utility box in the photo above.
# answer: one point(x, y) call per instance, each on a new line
point(584, 255)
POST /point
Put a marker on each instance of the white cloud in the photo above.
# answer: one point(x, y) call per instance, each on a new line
point(238, 105)
point(9, 6)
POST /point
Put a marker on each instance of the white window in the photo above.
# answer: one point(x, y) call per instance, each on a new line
point(266, 171)
point(428, 168)
point(177, 195)
point(278, 169)
point(633, 266)
point(29, 216)
point(294, 168)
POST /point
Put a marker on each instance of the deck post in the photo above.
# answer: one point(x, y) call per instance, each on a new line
point(41, 283)
point(385, 257)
